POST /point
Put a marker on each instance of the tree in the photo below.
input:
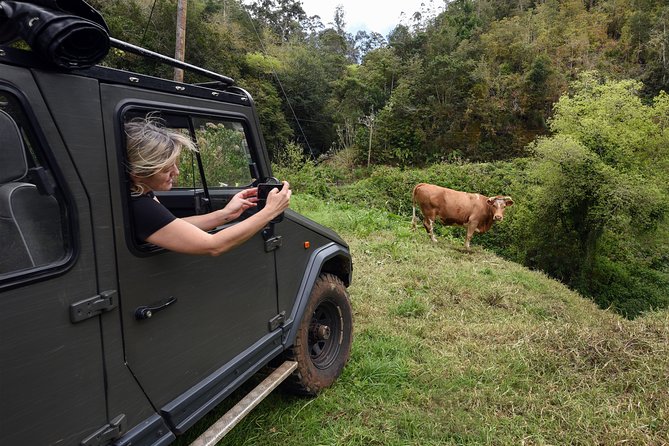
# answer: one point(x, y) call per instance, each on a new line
point(283, 17)
point(307, 75)
point(400, 130)
point(612, 121)
point(259, 82)
point(365, 42)
point(599, 217)
point(463, 17)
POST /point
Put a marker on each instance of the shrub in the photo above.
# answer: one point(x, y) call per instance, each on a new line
point(597, 216)
point(305, 175)
point(629, 289)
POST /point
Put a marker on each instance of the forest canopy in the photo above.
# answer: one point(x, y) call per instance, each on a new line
point(476, 81)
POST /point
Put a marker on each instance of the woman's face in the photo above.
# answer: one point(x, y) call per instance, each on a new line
point(163, 180)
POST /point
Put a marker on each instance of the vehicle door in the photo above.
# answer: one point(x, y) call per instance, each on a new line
point(52, 388)
point(209, 323)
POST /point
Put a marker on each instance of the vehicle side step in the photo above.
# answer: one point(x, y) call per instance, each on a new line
point(225, 424)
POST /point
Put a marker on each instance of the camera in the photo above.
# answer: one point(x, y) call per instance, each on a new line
point(263, 191)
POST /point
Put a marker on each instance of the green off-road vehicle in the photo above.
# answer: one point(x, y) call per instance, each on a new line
point(106, 340)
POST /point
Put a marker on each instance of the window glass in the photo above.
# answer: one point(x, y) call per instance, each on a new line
point(224, 151)
point(222, 145)
point(33, 216)
point(189, 172)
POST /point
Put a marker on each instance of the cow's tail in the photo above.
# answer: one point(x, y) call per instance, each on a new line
point(413, 203)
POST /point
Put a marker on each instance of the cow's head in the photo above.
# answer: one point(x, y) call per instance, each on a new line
point(498, 204)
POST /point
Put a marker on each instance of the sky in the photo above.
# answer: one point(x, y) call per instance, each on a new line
point(379, 16)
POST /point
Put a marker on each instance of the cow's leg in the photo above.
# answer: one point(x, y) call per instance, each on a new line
point(429, 227)
point(414, 219)
point(428, 222)
point(471, 228)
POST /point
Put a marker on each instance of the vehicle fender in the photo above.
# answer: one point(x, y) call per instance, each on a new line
point(332, 258)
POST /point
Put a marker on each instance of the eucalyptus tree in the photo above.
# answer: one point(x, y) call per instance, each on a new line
point(283, 17)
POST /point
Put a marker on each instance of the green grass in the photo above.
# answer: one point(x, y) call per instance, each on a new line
point(455, 348)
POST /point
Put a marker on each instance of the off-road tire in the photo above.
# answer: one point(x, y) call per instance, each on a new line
point(320, 361)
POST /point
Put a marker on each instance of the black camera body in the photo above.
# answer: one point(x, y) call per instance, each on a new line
point(263, 191)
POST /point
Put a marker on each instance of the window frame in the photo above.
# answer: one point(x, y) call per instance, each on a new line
point(69, 222)
point(142, 108)
point(206, 183)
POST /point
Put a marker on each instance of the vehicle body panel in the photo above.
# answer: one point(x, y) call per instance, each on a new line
point(44, 358)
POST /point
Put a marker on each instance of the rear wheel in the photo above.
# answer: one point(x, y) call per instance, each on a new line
point(323, 343)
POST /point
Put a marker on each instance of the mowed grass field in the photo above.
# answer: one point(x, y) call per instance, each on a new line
point(465, 348)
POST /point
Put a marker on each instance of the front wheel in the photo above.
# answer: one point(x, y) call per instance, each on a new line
point(323, 342)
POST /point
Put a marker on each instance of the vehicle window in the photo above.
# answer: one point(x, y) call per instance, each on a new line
point(223, 148)
point(224, 151)
point(34, 226)
point(223, 160)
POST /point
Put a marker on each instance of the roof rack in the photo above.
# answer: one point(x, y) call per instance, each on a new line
point(125, 46)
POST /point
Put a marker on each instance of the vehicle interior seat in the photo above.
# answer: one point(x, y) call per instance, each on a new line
point(30, 221)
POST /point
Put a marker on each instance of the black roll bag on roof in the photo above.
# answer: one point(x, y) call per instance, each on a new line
point(67, 33)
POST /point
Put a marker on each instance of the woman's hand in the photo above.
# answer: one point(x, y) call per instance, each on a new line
point(278, 201)
point(183, 235)
point(240, 202)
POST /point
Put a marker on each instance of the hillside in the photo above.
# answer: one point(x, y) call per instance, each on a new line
point(466, 348)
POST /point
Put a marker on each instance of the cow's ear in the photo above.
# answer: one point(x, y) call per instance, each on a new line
point(491, 200)
point(508, 201)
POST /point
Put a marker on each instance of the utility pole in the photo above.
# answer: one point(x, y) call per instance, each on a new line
point(180, 47)
point(368, 121)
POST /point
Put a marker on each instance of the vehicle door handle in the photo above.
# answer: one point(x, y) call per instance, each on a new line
point(147, 311)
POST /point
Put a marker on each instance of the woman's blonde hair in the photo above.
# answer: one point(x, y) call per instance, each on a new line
point(151, 148)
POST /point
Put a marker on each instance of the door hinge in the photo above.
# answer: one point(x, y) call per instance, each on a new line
point(273, 243)
point(92, 306)
point(277, 321)
point(107, 433)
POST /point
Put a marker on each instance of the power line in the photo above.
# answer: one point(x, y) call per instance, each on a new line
point(147, 23)
point(276, 76)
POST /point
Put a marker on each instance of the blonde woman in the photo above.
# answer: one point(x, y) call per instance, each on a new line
point(153, 154)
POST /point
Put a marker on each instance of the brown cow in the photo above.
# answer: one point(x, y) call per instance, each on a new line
point(474, 211)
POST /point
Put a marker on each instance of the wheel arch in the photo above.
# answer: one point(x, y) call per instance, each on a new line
point(332, 258)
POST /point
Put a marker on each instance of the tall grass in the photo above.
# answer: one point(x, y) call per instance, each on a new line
point(456, 348)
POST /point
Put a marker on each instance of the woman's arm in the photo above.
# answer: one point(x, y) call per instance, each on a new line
point(240, 202)
point(182, 236)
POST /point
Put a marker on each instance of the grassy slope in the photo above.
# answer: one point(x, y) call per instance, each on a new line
point(466, 348)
